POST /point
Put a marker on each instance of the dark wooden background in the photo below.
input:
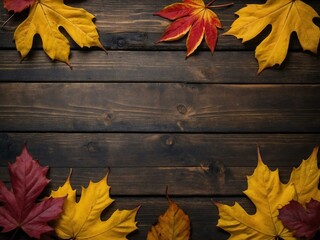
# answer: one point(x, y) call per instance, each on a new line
point(155, 119)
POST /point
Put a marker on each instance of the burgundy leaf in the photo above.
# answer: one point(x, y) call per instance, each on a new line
point(304, 222)
point(20, 209)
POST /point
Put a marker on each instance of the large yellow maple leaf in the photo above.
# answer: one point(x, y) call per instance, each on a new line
point(81, 220)
point(285, 16)
point(268, 194)
point(45, 18)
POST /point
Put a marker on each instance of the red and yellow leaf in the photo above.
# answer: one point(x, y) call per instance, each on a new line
point(191, 16)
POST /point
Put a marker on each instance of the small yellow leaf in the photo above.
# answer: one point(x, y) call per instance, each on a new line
point(285, 16)
point(306, 179)
point(45, 18)
point(268, 194)
point(81, 220)
point(174, 224)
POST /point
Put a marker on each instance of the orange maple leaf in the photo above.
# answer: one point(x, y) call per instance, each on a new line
point(191, 16)
point(173, 224)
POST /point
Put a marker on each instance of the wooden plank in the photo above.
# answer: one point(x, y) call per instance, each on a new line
point(131, 25)
point(100, 150)
point(203, 215)
point(159, 107)
point(148, 41)
point(211, 180)
point(155, 66)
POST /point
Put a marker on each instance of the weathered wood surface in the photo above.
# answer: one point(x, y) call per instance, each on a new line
point(153, 119)
point(209, 165)
point(158, 150)
point(157, 66)
point(213, 179)
point(159, 107)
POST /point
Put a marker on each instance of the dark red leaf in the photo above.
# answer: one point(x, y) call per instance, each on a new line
point(20, 209)
point(304, 222)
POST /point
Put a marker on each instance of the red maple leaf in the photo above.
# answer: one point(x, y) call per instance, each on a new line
point(191, 16)
point(17, 5)
point(20, 209)
point(304, 222)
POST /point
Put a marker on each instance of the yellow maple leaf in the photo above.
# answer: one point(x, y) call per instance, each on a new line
point(306, 179)
point(268, 194)
point(174, 224)
point(81, 220)
point(285, 16)
point(45, 18)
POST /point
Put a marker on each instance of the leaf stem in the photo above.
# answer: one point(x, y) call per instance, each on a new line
point(221, 5)
point(7, 21)
point(211, 2)
point(14, 234)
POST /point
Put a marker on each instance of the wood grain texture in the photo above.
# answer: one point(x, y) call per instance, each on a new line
point(153, 119)
point(157, 66)
point(102, 150)
point(159, 107)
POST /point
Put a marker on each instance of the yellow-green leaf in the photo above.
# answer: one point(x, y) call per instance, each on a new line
point(285, 16)
point(45, 18)
point(174, 224)
point(267, 193)
point(81, 220)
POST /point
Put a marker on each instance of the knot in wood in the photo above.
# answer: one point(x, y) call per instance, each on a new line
point(170, 141)
point(91, 147)
point(121, 42)
point(107, 118)
point(217, 167)
point(182, 109)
